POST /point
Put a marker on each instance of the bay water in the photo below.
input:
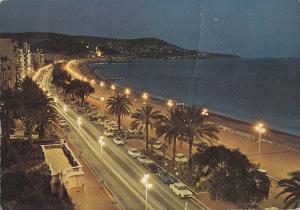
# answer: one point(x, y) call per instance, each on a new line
point(251, 90)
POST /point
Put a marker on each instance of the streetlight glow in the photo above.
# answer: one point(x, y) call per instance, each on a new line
point(170, 103)
point(260, 129)
point(204, 112)
point(127, 92)
point(145, 97)
point(113, 88)
point(102, 84)
point(93, 81)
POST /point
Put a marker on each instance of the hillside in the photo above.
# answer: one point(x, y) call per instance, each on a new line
point(82, 45)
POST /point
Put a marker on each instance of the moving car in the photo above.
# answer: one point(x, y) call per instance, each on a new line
point(144, 160)
point(118, 141)
point(157, 145)
point(181, 190)
point(179, 157)
point(134, 152)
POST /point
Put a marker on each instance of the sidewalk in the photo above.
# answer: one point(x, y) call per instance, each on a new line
point(93, 195)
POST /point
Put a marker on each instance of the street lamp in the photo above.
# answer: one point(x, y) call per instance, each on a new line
point(260, 129)
point(127, 92)
point(102, 99)
point(55, 99)
point(65, 108)
point(170, 104)
point(145, 97)
point(113, 88)
point(147, 186)
point(204, 112)
point(102, 143)
point(102, 84)
point(79, 121)
point(93, 82)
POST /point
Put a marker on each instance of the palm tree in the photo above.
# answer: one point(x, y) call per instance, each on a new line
point(45, 119)
point(144, 118)
point(171, 127)
point(118, 105)
point(292, 186)
point(195, 127)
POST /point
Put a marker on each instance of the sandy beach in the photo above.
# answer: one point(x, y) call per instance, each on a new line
point(279, 151)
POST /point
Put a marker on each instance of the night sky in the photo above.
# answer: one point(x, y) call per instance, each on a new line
point(253, 28)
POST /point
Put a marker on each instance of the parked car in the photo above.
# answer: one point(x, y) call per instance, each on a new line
point(179, 157)
point(118, 141)
point(157, 145)
point(164, 175)
point(132, 131)
point(152, 168)
point(144, 160)
point(108, 133)
point(134, 152)
point(181, 190)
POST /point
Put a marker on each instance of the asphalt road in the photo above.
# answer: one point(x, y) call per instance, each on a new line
point(120, 173)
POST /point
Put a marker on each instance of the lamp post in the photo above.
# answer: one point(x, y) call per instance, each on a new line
point(260, 129)
point(145, 97)
point(127, 92)
point(102, 84)
point(113, 88)
point(102, 99)
point(79, 122)
point(102, 143)
point(170, 104)
point(65, 109)
point(147, 186)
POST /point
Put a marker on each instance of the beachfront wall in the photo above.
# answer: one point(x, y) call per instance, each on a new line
point(67, 178)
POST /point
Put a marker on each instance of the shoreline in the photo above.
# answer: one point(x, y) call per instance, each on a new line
point(225, 123)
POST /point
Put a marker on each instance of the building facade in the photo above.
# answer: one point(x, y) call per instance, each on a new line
point(8, 75)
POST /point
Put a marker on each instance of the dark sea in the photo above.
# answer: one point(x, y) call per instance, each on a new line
point(251, 90)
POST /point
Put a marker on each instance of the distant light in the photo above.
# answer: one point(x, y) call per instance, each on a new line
point(216, 19)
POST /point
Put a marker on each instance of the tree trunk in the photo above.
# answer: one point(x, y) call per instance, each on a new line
point(174, 148)
point(41, 131)
point(146, 136)
point(119, 121)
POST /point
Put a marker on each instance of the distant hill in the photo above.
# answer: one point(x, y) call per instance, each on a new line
point(81, 45)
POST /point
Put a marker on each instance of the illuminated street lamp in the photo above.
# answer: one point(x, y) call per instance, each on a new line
point(93, 82)
point(260, 129)
point(127, 92)
point(55, 99)
point(170, 104)
point(102, 84)
point(113, 88)
point(147, 186)
point(102, 143)
point(65, 108)
point(79, 121)
point(102, 100)
point(204, 112)
point(145, 97)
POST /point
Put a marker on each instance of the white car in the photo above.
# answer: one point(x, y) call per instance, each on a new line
point(181, 190)
point(134, 152)
point(107, 133)
point(179, 157)
point(118, 141)
point(144, 160)
point(132, 131)
point(157, 145)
